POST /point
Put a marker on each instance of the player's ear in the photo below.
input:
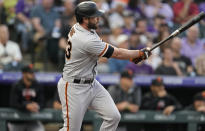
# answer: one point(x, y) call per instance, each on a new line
point(85, 20)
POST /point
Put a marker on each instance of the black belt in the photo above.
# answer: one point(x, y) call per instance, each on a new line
point(86, 81)
point(82, 81)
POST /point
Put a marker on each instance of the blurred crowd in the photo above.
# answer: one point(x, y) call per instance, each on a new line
point(35, 31)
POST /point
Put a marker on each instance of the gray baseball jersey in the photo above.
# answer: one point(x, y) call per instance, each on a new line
point(82, 53)
point(86, 47)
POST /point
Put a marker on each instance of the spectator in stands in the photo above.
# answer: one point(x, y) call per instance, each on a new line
point(47, 25)
point(102, 5)
point(116, 27)
point(155, 26)
point(200, 65)
point(115, 65)
point(23, 24)
point(170, 2)
point(199, 106)
point(158, 99)
point(126, 96)
point(141, 68)
point(184, 10)
point(192, 46)
point(116, 31)
point(134, 41)
point(141, 27)
point(27, 96)
point(156, 7)
point(128, 17)
point(202, 22)
point(168, 66)
point(2, 13)
point(198, 103)
point(135, 6)
point(10, 54)
point(163, 33)
point(40, 15)
point(183, 61)
point(66, 17)
point(10, 10)
point(9, 6)
point(117, 15)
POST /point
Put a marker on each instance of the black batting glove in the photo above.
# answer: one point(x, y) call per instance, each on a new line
point(143, 55)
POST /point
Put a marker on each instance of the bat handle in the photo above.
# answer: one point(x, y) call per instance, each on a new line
point(146, 54)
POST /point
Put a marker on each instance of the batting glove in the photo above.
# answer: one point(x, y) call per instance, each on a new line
point(143, 55)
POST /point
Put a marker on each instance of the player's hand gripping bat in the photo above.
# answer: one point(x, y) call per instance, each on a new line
point(184, 27)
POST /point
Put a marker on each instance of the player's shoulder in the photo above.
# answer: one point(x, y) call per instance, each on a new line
point(85, 35)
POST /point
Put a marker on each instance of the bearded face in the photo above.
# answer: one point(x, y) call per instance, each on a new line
point(93, 23)
point(92, 26)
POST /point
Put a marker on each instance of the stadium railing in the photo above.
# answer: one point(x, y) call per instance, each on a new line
point(109, 79)
point(50, 115)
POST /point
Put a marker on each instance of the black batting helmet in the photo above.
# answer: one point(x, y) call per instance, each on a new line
point(87, 9)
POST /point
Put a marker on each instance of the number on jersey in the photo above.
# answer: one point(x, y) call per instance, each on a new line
point(68, 50)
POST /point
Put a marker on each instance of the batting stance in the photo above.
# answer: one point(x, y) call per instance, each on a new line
point(78, 89)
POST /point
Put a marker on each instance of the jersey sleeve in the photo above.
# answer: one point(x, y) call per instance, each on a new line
point(100, 48)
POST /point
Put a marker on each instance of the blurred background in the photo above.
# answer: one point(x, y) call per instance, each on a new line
point(33, 35)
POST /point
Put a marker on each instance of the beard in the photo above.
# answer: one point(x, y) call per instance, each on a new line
point(92, 25)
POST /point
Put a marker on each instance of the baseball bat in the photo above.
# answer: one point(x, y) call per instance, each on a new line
point(181, 29)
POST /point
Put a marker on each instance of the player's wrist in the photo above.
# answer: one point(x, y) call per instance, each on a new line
point(140, 56)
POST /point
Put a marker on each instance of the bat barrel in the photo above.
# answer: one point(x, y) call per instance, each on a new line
point(192, 22)
point(181, 29)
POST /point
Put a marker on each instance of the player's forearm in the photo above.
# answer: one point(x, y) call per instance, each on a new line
point(120, 53)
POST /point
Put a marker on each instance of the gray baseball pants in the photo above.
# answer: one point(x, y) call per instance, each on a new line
point(75, 100)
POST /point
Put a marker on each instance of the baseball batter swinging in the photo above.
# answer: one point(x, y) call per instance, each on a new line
point(78, 89)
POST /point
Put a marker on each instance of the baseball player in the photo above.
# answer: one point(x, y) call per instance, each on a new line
point(78, 89)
